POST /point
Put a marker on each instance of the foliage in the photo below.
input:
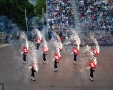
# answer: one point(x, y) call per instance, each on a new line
point(15, 10)
point(39, 5)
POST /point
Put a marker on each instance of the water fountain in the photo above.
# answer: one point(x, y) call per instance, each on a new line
point(75, 38)
point(33, 55)
point(56, 43)
point(54, 46)
point(24, 40)
point(87, 53)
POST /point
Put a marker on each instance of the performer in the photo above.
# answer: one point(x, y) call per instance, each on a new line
point(38, 41)
point(92, 64)
point(95, 52)
point(25, 52)
point(57, 60)
point(75, 53)
point(61, 39)
point(60, 46)
point(45, 52)
point(34, 69)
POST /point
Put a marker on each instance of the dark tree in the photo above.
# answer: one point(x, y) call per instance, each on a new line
point(15, 10)
point(39, 5)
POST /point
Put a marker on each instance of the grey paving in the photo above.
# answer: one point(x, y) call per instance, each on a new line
point(16, 76)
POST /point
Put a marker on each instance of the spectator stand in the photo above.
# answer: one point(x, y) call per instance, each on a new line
point(60, 16)
point(96, 16)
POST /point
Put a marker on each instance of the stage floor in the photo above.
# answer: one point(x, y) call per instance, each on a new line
point(16, 76)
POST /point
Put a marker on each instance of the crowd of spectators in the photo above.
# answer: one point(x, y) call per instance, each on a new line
point(60, 14)
point(96, 16)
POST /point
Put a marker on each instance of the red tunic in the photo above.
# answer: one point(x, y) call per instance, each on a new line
point(75, 50)
point(95, 51)
point(92, 64)
point(25, 50)
point(57, 57)
point(38, 40)
point(35, 67)
point(45, 50)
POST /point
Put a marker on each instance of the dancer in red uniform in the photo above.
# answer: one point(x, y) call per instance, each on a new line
point(57, 60)
point(33, 68)
point(38, 41)
point(25, 52)
point(95, 52)
point(92, 65)
point(75, 53)
point(45, 52)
